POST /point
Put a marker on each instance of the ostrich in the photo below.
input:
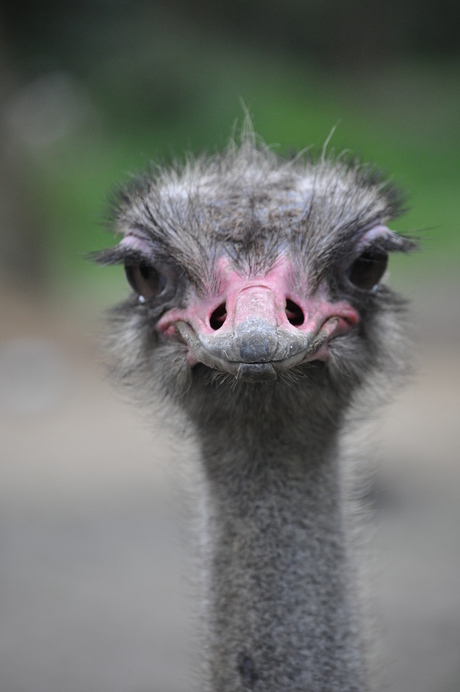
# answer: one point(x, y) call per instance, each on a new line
point(258, 319)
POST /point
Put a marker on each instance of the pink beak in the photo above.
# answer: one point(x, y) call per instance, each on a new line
point(258, 331)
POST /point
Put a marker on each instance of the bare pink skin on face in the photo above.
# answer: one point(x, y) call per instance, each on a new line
point(374, 233)
point(132, 242)
point(263, 298)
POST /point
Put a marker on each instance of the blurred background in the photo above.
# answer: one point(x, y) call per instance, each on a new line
point(91, 564)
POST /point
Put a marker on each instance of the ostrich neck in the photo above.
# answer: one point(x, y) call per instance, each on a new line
point(280, 612)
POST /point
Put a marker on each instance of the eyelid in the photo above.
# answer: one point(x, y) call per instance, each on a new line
point(134, 242)
point(134, 248)
point(378, 231)
point(378, 237)
point(383, 239)
point(131, 249)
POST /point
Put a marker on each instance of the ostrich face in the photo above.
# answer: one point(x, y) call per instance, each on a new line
point(255, 268)
point(255, 326)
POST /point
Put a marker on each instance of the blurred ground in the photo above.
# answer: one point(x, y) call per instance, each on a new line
point(90, 564)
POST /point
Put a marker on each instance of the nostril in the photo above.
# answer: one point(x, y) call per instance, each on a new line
point(218, 317)
point(294, 313)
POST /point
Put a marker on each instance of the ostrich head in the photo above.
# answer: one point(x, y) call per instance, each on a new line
point(256, 279)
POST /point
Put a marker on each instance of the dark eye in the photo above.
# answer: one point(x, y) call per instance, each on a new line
point(367, 269)
point(145, 280)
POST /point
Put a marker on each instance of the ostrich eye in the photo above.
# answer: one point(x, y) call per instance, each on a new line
point(367, 269)
point(145, 280)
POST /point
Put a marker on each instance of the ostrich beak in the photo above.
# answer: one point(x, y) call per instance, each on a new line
point(256, 337)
